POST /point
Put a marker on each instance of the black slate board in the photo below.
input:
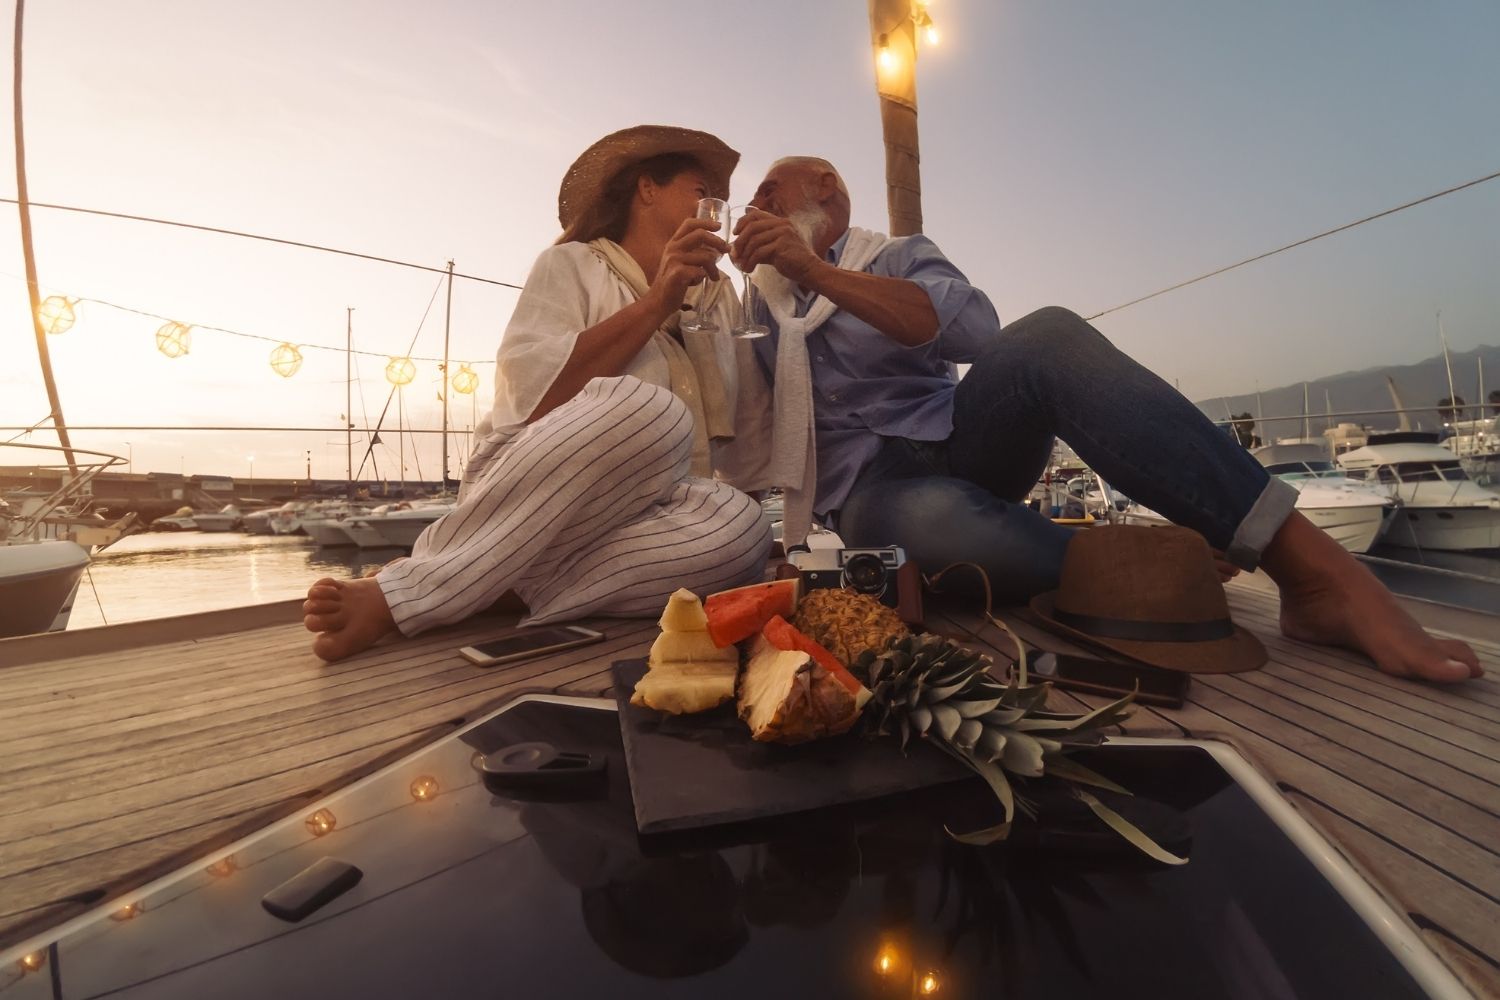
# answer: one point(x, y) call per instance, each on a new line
point(688, 772)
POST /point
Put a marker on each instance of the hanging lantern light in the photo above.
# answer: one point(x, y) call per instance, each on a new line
point(56, 313)
point(174, 339)
point(465, 380)
point(285, 360)
point(400, 371)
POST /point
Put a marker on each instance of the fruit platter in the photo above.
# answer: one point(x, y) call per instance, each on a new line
point(767, 700)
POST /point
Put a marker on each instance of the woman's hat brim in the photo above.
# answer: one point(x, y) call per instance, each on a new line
point(586, 179)
point(1234, 654)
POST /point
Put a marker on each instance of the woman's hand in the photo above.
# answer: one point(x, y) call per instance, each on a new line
point(764, 238)
point(691, 255)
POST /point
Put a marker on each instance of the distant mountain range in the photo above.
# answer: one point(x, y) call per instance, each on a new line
point(1421, 386)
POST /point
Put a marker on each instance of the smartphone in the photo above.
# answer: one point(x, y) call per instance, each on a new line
point(528, 643)
point(1153, 685)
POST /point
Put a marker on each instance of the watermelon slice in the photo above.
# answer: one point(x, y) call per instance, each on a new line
point(783, 635)
point(735, 615)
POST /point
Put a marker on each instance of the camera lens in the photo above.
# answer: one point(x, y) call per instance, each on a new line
point(865, 574)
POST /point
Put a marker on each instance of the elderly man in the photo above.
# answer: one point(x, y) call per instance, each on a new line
point(906, 454)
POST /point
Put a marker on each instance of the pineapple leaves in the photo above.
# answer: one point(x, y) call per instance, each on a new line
point(1022, 755)
point(1129, 830)
point(946, 719)
point(979, 838)
point(1075, 772)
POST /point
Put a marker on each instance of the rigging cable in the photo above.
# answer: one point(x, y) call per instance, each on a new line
point(257, 236)
point(1289, 246)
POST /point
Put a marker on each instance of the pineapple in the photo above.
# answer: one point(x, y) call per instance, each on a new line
point(930, 686)
point(847, 623)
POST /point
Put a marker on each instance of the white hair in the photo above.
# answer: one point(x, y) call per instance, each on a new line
point(815, 163)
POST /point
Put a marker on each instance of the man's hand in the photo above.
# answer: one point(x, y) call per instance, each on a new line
point(763, 238)
point(691, 255)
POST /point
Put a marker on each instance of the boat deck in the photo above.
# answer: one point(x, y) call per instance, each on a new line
point(133, 749)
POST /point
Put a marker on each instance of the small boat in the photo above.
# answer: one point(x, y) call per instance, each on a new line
point(1352, 512)
point(257, 522)
point(1441, 507)
point(226, 518)
point(402, 524)
point(287, 519)
point(179, 520)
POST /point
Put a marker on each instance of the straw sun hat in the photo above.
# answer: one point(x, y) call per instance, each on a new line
point(1150, 593)
point(586, 179)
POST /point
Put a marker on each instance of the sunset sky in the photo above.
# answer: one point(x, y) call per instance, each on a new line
point(1074, 152)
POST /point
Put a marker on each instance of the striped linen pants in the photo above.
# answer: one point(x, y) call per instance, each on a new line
point(588, 511)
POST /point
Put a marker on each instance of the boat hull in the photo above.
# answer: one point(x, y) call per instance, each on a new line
point(1446, 529)
point(1355, 528)
point(37, 583)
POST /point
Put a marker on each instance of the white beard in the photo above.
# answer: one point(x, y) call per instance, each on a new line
point(777, 289)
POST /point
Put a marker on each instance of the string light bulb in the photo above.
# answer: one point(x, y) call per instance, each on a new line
point(285, 360)
point(928, 983)
point(887, 960)
point(886, 57)
point(321, 822)
point(126, 912)
point(31, 961)
point(925, 25)
point(465, 380)
point(174, 339)
point(56, 314)
point(425, 788)
point(400, 371)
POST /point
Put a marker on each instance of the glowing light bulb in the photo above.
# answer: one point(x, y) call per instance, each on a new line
point(126, 912)
point(56, 313)
point(425, 788)
point(174, 339)
point(931, 33)
point(928, 983)
point(32, 961)
point(400, 371)
point(285, 360)
point(886, 57)
point(224, 867)
point(466, 380)
point(322, 822)
point(887, 959)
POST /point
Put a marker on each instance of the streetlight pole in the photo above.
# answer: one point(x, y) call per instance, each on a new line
point(129, 459)
point(251, 483)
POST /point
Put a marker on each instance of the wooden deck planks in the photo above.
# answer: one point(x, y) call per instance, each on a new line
point(215, 726)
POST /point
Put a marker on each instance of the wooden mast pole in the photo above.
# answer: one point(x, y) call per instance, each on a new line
point(23, 205)
point(894, 43)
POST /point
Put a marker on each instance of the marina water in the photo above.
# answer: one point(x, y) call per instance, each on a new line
point(159, 574)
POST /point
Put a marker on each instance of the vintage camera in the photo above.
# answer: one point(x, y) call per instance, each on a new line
point(876, 572)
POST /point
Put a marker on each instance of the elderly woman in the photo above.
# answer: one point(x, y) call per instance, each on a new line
point(589, 490)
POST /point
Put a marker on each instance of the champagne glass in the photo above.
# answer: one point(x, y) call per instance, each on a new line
point(748, 329)
point(716, 210)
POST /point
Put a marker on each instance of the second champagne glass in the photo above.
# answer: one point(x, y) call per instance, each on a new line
point(748, 329)
point(715, 210)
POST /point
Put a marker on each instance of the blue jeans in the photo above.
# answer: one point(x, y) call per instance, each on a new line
point(1049, 375)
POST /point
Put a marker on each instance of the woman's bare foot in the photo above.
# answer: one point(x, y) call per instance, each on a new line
point(1329, 597)
point(348, 615)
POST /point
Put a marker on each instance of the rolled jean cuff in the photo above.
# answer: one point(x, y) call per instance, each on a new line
point(1270, 511)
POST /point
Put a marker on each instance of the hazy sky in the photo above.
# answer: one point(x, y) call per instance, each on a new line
point(1078, 152)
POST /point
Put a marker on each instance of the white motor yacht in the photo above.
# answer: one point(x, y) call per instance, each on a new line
point(1441, 507)
point(1352, 512)
point(226, 518)
point(402, 524)
point(257, 522)
point(179, 520)
point(287, 519)
point(1477, 445)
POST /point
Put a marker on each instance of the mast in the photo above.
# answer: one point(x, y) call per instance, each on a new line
point(23, 206)
point(447, 382)
point(1448, 363)
point(349, 402)
point(1304, 411)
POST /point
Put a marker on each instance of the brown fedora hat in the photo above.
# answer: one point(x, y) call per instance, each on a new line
point(586, 179)
point(1151, 593)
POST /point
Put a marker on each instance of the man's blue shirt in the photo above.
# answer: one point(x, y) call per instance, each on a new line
point(865, 385)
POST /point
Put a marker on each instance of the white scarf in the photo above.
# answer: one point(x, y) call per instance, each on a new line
point(794, 461)
point(691, 363)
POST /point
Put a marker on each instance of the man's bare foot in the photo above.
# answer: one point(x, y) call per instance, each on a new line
point(1329, 597)
point(348, 615)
